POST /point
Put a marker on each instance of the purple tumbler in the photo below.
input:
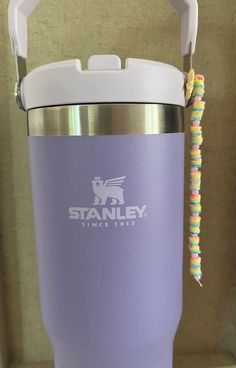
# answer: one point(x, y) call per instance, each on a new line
point(106, 149)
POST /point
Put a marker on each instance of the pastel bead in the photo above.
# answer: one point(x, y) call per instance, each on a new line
point(196, 174)
point(196, 115)
point(197, 140)
point(196, 271)
point(195, 129)
point(196, 261)
point(196, 220)
point(196, 181)
point(194, 186)
point(196, 208)
point(194, 240)
point(195, 152)
point(195, 200)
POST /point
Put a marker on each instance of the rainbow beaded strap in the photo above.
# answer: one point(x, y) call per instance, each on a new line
point(195, 177)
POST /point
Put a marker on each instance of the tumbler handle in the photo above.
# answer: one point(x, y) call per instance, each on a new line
point(19, 10)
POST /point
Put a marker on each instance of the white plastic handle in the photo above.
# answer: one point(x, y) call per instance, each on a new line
point(188, 9)
point(19, 10)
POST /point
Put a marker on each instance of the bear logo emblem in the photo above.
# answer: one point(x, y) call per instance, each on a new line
point(108, 189)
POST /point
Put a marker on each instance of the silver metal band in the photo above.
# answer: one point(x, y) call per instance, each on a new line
point(105, 119)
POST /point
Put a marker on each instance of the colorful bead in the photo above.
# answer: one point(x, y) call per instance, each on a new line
point(195, 155)
point(195, 209)
point(195, 199)
point(196, 163)
point(197, 139)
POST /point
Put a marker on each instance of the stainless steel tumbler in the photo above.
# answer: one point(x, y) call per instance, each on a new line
point(106, 150)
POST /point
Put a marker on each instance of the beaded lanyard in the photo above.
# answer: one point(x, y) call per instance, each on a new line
point(195, 88)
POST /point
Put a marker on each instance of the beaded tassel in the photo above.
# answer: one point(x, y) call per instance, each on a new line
point(195, 177)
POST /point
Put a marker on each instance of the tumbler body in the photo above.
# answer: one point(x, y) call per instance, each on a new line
point(108, 211)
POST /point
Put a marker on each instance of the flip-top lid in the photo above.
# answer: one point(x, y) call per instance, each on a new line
point(61, 83)
point(142, 81)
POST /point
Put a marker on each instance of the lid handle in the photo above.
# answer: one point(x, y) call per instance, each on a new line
point(188, 9)
point(19, 10)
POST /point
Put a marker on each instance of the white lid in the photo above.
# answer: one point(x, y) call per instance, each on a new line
point(65, 83)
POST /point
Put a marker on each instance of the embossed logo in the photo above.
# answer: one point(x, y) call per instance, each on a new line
point(109, 206)
point(108, 189)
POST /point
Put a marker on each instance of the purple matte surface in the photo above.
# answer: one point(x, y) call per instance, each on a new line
point(112, 296)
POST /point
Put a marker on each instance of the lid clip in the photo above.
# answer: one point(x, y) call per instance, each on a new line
point(21, 72)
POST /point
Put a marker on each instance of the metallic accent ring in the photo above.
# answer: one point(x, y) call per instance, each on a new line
point(105, 119)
